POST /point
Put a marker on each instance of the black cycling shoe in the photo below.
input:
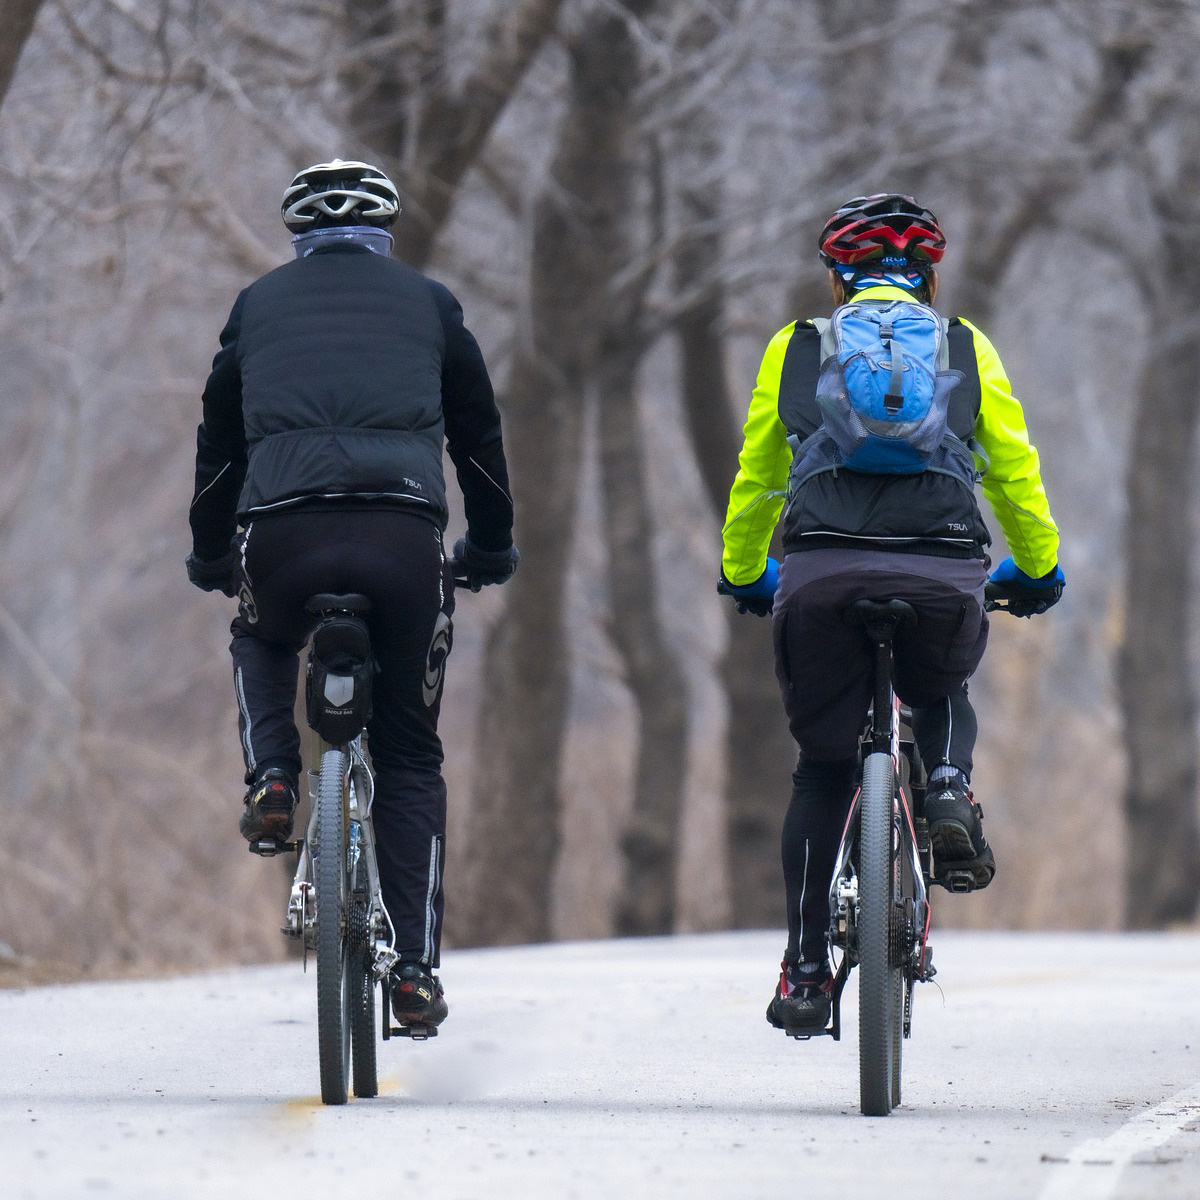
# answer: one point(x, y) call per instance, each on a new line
point(803, 1000)
point(962, 859)
point(417, 996)
point(270, 808)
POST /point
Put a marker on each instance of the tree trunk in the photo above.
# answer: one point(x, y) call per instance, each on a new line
point(760, 753)
point(514, 834)
point(515, 831)
point(646, 902)
point(1154, 669)
point(16, 24)
point(759, 750)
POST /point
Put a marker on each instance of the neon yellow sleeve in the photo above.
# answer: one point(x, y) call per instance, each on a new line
point(1013, 480)
point(756, 498)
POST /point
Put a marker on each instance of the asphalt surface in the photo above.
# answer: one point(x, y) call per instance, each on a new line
point(1054, 1067)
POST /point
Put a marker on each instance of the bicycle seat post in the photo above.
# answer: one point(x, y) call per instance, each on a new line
point(880, 619)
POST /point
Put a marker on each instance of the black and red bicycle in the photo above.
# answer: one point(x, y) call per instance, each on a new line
point(878, 898)
point(879, 904)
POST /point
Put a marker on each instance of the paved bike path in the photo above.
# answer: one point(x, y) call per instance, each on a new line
point(1049, 1066)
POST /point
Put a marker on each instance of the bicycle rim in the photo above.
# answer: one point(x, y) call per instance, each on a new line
point(334, 999)
point(880, 999)
point(362, 991)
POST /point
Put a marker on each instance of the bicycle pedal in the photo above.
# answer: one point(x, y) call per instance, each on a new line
point(269, 847)
point(805, 1037)
point(417, 1033)
point(957, 880)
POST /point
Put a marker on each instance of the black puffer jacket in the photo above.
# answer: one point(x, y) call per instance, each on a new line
point(338, 377)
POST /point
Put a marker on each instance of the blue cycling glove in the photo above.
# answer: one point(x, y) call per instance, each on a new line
point(757, 597)
point(1023, 595)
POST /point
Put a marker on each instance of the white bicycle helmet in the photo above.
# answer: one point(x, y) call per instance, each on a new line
point(339, 193)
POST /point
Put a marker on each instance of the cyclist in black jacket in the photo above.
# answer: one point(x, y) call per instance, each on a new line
point(339, 376)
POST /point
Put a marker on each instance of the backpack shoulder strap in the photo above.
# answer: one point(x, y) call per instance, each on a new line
point(943, 355)
point(798, 379)
point(824, 326)
point(966, 398)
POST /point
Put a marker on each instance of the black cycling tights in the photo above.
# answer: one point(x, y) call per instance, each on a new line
point(395, 558)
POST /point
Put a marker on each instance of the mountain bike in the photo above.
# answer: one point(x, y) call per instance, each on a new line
point(878, 898)
point(335, 907)
point(879, 905)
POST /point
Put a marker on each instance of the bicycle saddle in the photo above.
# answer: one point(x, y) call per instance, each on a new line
point(330, 602)
point(895, 614)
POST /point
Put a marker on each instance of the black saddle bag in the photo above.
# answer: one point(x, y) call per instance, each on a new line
point(338, 685)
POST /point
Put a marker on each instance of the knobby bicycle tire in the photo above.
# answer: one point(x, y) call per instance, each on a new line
point(362, 992)
point(880, 1000)
point(332, 888)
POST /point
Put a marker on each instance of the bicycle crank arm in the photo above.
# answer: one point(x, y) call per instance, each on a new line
point(834, 1028)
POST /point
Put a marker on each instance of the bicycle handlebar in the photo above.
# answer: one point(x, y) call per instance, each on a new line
point(997, 598)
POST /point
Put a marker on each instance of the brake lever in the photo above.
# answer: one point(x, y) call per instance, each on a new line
point(458, 572)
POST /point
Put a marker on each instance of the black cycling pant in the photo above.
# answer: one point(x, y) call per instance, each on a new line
point(395, 558)
point(826, 669)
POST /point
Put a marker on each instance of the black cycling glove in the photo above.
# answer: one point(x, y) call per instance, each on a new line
point(215, 575)
point(478, 568)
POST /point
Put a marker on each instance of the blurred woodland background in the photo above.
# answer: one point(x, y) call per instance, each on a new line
point(625, 195)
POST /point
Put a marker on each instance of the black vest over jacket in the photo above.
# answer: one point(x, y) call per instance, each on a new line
point(340, 356)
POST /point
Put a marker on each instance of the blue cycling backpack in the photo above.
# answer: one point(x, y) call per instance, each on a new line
point(884, 388)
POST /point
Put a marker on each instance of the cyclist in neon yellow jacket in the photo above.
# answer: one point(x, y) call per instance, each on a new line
point(849, 534)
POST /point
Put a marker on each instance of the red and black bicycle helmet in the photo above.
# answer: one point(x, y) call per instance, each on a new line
point(881, 226)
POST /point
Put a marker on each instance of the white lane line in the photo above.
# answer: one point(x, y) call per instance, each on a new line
point(1094, 1168)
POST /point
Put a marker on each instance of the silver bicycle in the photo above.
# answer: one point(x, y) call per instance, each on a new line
point(335, 907)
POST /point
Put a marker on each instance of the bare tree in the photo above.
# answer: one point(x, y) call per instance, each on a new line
point(1155, 684)
point(1138, 113)
point(1154, 670)
point(646, 899)
point(577, 222)
point(759, 749)
point(408, 104)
